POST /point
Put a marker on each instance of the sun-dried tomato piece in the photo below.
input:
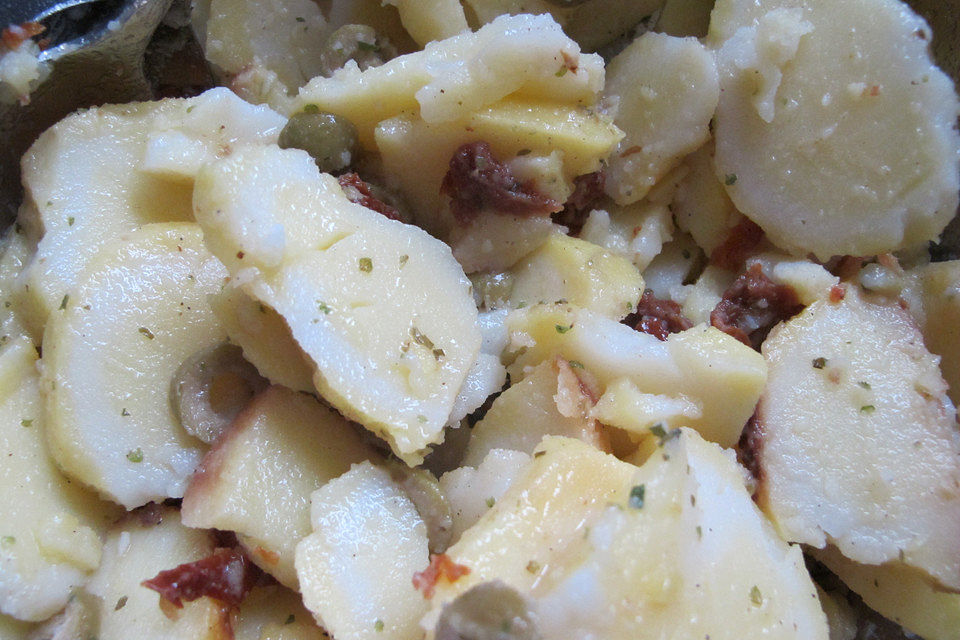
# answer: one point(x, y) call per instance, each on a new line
point(752, 305)
point(587, 192)
point(361, 193)
point(740, 243)
point(16, 34)
point(477, 180)
point(750, 448)
point(226, 575)
point(441, 566)
point(658, 317)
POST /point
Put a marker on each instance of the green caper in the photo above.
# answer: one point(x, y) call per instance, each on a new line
point(329, 139)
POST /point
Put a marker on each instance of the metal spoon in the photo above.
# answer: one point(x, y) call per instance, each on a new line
point(96, 52)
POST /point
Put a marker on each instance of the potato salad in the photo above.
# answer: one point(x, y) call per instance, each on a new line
point(492, 320)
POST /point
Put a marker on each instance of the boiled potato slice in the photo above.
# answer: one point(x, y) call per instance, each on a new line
point(806, 87)
point(355, 569)
point(264, 337)
point(431, 20)
point(275, 613)
point(102, 172)
point(514, 126)
point(940, 285)
point(701, 205)
point(138, 311)
point(666, 90)
point(859, 441)
point(523, 55)
point(604, 549)
point(139, 547)
point(284, 36)
point(471, 490)
point(583, 274)
point(899, 593)
point(268, 505)
point(721, 376)
point(15, 252)
point(522, 415)
point(51, 528)
point(381, 308)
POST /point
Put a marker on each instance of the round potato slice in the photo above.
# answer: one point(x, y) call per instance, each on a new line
point(109, 353)
point(835, 132)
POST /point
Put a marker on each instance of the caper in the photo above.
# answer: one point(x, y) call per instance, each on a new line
point(356, 42)
point(488, 611)
point(330, 140)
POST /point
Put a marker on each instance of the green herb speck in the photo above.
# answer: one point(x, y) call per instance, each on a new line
point(378, 626)
point(70, 221)
point(819, 363)
point(146, 333)
point(365, 264)
point(311, 108)
point(299, 19)
point(322, 306)
point(562, 71)
point(124, 412)
point(121, 603)
point(26, 422)
point(63, 303)
point(730, 179)
point(563, 329)
point(637, 496)
point(755, 596)
point(491, 501)
point(864, 384)
point(135, 455)
point(6, 541)
point(366, 46)
point(576, 365)
point(290, 619)
point(867, 408)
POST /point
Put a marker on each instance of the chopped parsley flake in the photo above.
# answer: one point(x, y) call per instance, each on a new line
point(299, 19)
point(864, 384)
point(70, 221)
point(135, 455)
point(366, 46)
point(366, 265)
point(378, 626)
point(491, 501)
point(637, 496)
point(563, 329)
point(755, 596)
point(730, 179)
point(124, 412)
point(323, 308)
point(6, 541)
point(63, 303)
point(576, 365)
point(819, 363)
point(699, 532)
point(121, 603)
point(26, 422)
point(146, 333)
point(403, 260)
point(867, 408)
point(422, 418)
point(562, 71)
point(663, 435)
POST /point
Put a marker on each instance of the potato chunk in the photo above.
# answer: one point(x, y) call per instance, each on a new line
point(355, 569)
point(519, 55)
point(50, 528)
point(859, 444)
point(136, 549)
point(666, 91)
point(806, 87)
point(381, 308)
point(603, 549)
point(110, 352)
point(268, 505)
point(103, 172)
